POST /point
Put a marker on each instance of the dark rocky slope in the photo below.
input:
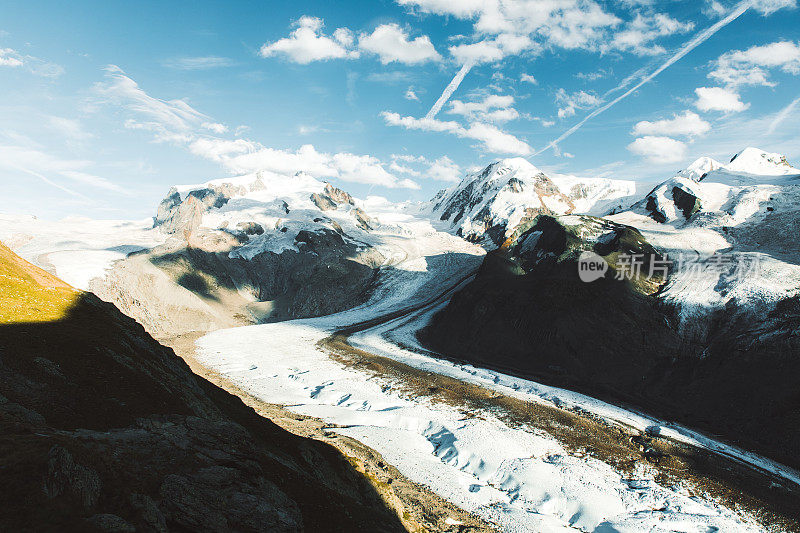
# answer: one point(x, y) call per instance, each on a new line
point(104, 429)
point(527, 313)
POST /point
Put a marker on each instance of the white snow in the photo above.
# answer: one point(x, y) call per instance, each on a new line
point(515, 477)
point(76, 250)
point(755, 161)
point(735, 199)
point(504, 193)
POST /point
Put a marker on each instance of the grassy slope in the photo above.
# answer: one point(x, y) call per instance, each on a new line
point(29, 294)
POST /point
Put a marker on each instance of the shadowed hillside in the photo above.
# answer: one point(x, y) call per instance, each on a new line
point(105, 429)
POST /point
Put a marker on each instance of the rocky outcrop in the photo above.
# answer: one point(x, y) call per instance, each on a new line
point(331, 198)
point(528, 313)
point(488, 206)
point(176, 289)
point(104, 429)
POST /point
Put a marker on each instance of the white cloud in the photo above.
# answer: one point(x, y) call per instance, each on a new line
point(493, 108)
point(748, 67)
point(719, 99)
point(441, 169)
point(659, 149)
point(493, 138)
point(215, 127)
point(594, 76)
point(527, 78)
point(367, 169)
point(689, 124)
point(411, 95)
point(767, 7)
point(394, 166)
point(569, 103)
point(460, 9)
point(496, 140)
point(198, 63)
point(71, 129)
point(493, 50)
point(422, 124)
point(242, 156)
point(307, 43)
point(163, 116)
point(176, 121)
point(565, 23)
point(307, 130)
point(9, 58)
point(444, 169)
point(391, 43)
point(638, 35)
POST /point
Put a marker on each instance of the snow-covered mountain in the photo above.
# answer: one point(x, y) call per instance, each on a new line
point(741, 219)
point(714, 342)
point(737, 189)
point(489, 205)
point(261, 212)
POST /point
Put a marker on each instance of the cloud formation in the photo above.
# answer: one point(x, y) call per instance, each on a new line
point(493, 138)
point(719, 99)
point(751, 66)
point(307, 43)
point(177, 122)
point(687, 124)
point(391, 43)
point(659, 149)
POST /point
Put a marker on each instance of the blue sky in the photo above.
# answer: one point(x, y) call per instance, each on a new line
point(105, 105)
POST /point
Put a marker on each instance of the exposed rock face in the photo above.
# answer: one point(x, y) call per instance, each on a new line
point(527, 313)
point(104, 429)
point(687, 202)
point(239, 253)
point(331, 198)
point(488, 206)
point(184, 216)
point(250, 228)
point(177, 289)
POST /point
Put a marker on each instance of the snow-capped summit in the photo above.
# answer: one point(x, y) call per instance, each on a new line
point(755, 161)
point(489, 205)
point(698, 170)
point(739, 224)
point(260, 212)
point(737, 189)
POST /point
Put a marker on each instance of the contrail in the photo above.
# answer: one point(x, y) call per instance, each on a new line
point(688, 47)
point(49, 181)
point(449, 90)
point(781, 116)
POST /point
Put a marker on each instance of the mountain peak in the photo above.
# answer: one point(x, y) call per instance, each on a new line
point(489, 205)
point(756, 161)
point(698, 170)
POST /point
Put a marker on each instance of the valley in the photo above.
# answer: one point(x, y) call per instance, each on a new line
point(450, 351)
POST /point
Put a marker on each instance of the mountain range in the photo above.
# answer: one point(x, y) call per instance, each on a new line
point(694, 319)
